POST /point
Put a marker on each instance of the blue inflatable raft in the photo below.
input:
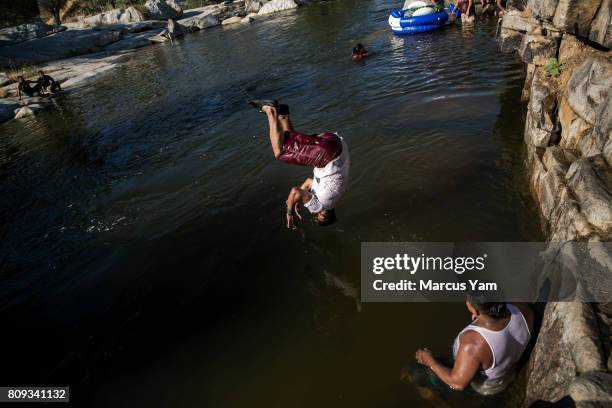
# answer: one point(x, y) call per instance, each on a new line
point(402, 24)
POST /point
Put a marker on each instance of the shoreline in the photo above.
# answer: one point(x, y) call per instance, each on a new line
point(75, 72)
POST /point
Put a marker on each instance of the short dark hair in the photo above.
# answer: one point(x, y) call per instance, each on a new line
point(478, 300)
point(330, 218)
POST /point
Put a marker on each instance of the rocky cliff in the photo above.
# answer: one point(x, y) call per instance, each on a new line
point(568, 137)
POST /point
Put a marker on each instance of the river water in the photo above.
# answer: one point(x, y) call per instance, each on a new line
point(144, 259)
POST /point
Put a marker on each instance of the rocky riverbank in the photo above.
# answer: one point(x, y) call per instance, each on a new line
point(568, 136)
point(77, 52)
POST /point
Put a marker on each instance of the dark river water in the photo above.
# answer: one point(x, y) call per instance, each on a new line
point(144, 259)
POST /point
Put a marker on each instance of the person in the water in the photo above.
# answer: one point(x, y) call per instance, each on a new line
point(467, 9)
point(359, 52)
point(24, 87)
point(327, 153)
point(47, 83)
point(486, 351)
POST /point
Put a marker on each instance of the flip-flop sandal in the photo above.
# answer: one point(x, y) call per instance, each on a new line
point(260, 103)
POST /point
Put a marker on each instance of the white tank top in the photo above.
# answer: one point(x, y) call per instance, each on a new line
point(507, 345)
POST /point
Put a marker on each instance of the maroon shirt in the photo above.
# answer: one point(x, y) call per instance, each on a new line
point(310, 150)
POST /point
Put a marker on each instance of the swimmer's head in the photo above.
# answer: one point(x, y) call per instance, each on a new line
point(40, 73)
point(325, 218)
point(20, 78)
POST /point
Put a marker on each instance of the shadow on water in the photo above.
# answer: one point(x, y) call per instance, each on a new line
point(143, 245)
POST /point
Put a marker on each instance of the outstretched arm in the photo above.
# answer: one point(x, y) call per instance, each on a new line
point(466, 365)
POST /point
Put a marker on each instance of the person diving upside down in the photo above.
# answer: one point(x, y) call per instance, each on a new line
point(327, 153)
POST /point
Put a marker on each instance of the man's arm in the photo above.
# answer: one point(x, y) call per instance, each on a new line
point(469, 9)
point(502, 8)
point(296, 196)
point(466, 365)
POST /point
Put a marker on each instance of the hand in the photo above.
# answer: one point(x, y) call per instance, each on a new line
point(423, 356)
point(290, 222)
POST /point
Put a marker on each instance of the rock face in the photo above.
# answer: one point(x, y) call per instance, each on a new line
point(274, 6)
point(61, 45)
point(568, 138)
point(231, 20)
point(117, 16)
point(163, 9)
point(25, 32)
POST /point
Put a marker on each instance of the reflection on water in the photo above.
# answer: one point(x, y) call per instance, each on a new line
point(143, 245)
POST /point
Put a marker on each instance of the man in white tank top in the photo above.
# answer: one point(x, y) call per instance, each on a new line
point(485, 352)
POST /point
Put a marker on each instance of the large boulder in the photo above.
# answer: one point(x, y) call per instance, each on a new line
point(575, 16)
point(601, 27)
point(66, 44)
point(544, 9)
point(590, 179)
point(277, 5)
point(163, 9)
point(537, 49)
point(117, 16)
point(569, 332)
point(205, 21)
point(593, 388)
point(231, 20)
point(541, 118)
point(589, 87)
point(25, 32)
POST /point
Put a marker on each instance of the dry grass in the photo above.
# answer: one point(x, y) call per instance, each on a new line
point(27, 71)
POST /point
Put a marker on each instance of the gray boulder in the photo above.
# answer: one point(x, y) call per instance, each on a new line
point(61, 45)
point(590, 179)
point(575, 16)
point(25, 32)
point(601, 27)
point(117, 16)
point(541, 118)
point(231, 20)
point(28, 110)
point(537, 49)
point(544, 9)
point(569, 333)
point(163, 9)
point(274, 6)
point(589, 87)
point(206, 21)
point(594, 387)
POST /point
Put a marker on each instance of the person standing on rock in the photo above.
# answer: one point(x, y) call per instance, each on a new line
point(485, 352)
point(327, 153)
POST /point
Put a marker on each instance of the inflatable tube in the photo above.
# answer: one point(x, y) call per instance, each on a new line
point(423, 11)
point(416, 29)
point(416, 4)
point(419, 24)
point(429, 19)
